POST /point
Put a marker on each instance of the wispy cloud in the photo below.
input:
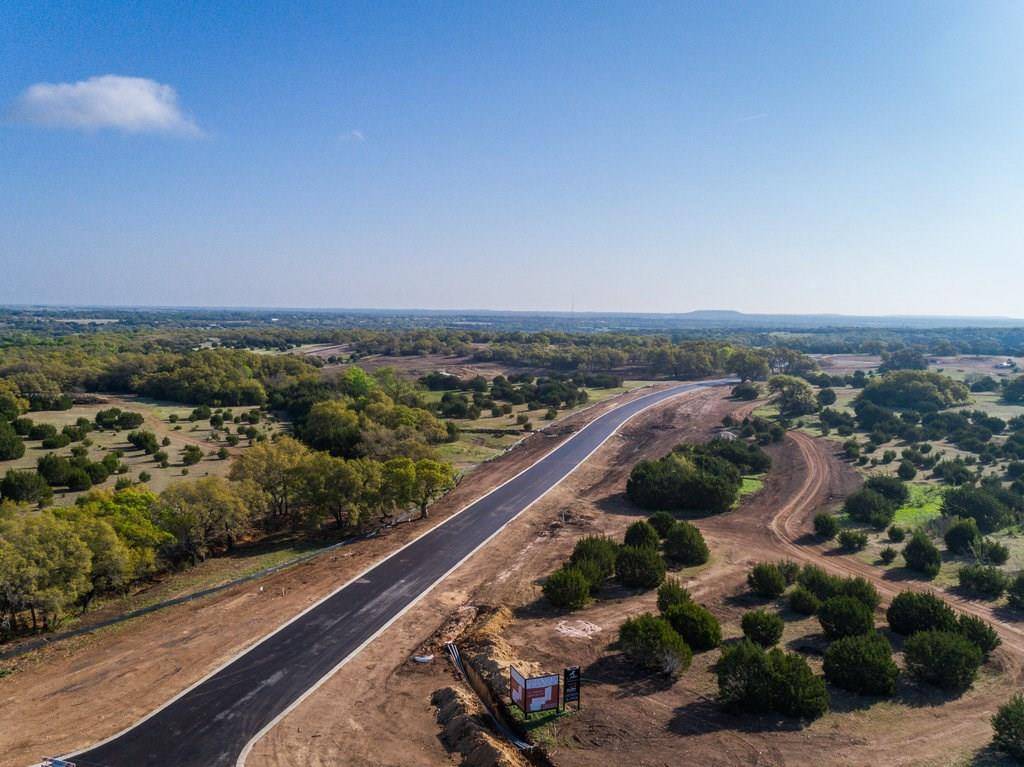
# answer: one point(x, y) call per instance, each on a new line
point(128, 104)
point(751, 118)
point(352, 136)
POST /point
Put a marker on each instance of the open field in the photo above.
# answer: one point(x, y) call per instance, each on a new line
point(476, 445)
point(156, 416)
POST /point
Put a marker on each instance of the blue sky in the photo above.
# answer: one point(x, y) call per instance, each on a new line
point(790, 157)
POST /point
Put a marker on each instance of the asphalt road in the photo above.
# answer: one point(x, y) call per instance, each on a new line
point(211, 724)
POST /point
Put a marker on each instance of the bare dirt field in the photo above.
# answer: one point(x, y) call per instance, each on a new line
point(80, 691)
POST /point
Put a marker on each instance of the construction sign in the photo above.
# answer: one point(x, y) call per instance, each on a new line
point(533, 694)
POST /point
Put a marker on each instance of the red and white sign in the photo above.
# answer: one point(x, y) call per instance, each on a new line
point(538, 693)
point(517, 687)
point(542, 693)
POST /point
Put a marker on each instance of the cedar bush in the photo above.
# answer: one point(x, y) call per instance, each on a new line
point(801, 600)
point(945, 659)
point(825, 526)
point(685, 545)
point(766, 580)
point(639, 567)
point(755, 681)
point(651, 642)
point(818, 582)
point(1008, 725)
point(871, 508)
point(962, 536)
point(896, 534)
point(862, 664)
point(696, 625)
point(642, 534)
point(921, 555)
point(888, 555)
point(762, 627)
point(1015, 592)
point(979, 633)
point(671, 593)
point(662, 521)
point(890, 488)
point(853, 540)
point(844, 616)
point(599, 549)
point(862, 590)
point(985, 581)
point(911, 612)
point(567, 589)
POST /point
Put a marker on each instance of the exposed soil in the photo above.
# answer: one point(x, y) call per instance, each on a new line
point(83, 690)
point(354, 712)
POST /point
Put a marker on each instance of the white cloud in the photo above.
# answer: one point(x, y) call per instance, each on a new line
point(129, 104)
point(355, 136)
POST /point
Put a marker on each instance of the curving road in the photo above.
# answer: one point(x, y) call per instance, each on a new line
point(215, 722)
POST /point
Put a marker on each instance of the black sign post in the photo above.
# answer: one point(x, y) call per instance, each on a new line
point(571, 686)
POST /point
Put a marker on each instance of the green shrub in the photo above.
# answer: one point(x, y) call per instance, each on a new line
point(911, 612)
point(979, 633)
point(684, 544)
point(671, 593)
point(943, 658)
point(696, 625)
point(853, 540)
point(921, 555)
point(790, 570)
point(888, 555)
point(1015, 592)
point(1008, 725)
point(962, 536)
point(906, 471)
point(993, 552)
point(844, 616)
point(871, 508)
point(862, 590)
point(803, 601)
point(752, 680)
point(600, 551)
point(762, 627)
point(985, 581)
point(980, 504)
point(592, 571)
point(862, 664)
point(818, 582)
point(685, 479)
point(897, 534)
point(890, 488)
point(662, 521)
point(766, 580)
point(825, 526)
point(567, 589)
point(642, 534)
point(639, 567)
point(651, 642)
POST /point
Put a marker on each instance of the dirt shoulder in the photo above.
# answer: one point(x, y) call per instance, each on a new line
point(77, 692)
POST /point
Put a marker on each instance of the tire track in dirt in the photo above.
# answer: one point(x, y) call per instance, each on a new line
point(792, 521)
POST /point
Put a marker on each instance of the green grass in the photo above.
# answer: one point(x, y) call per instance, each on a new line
point(925, 504)
point(751, 485)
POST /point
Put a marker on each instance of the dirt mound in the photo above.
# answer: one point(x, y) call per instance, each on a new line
point(459, 713)
point(489, 652)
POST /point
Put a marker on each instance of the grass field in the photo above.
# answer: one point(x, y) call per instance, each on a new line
point(157, 415)
point(473, 448)
point(925, 504)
